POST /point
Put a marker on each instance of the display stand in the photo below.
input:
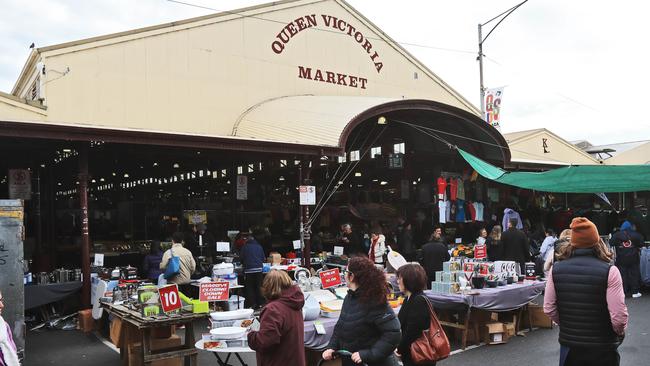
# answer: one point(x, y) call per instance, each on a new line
point(188, 351)
point(229, 351)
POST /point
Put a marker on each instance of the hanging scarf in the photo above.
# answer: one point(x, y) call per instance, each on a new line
point(7, 346)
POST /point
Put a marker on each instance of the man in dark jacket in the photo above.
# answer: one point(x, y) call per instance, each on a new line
point(405, 241)
point(252, 257)
point(515, 245)
point(350, 241)
point(628, 244)
point(434, 253)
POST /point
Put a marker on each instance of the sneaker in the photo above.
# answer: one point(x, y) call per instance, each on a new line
point(637, 295)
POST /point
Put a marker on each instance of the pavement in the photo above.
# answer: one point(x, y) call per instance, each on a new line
point(537, 348)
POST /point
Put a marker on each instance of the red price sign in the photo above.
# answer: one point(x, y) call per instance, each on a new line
point(214, 291)
point(330, 278)
point(480, 251)
point(169, 299)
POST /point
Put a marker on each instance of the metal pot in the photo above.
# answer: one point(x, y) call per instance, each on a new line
point(61, 275)
point(42, 278)
point(77, 275)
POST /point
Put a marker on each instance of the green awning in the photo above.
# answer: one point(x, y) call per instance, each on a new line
point(571, 179)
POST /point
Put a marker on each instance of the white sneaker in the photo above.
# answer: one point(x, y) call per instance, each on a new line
point(637, 295)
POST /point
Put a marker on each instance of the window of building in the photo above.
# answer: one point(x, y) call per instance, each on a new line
point(399, 148)
point(375, 151)
point(354, 155)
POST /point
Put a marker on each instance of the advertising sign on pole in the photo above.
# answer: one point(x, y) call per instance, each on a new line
point(20, 184)
point(330, 278)
point(307, 195)
point(214, 291)
point(493, 107)
point(242, 187)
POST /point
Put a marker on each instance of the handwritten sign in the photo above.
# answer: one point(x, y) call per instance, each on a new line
point(330, 278)
point(99, 259)
point(214, 291)
point(169, 298)
point(297, 244)
point(338, 250)
point(223, 246)
point(480, 251)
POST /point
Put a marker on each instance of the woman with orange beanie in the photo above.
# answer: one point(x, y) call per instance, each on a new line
point(584, 295)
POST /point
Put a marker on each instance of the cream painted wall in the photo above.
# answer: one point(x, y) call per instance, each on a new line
point(531, 148)
point(637, 156)
point(199, 78)
point(12, 110)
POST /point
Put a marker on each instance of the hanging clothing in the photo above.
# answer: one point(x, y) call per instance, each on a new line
point(508, 214)
point(461, 189)
point(478, 208)
point(471, 209)
point(442, 188)
point(460, 210)
point(442, 211)
point(453, 189)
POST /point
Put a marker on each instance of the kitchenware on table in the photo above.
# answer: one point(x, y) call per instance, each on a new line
point(228, 332)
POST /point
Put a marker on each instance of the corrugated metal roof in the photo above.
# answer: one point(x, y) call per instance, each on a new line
point(311, 120)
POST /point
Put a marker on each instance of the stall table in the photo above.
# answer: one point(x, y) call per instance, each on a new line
point(39, 295)
point(229, 351)
point(146, 324)
point(499, 299)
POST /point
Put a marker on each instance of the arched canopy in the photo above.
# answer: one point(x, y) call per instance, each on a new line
point(328, 122)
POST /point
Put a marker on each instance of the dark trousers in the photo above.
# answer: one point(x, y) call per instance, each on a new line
point(592, 357)
point(253, 284)
point(631, 275)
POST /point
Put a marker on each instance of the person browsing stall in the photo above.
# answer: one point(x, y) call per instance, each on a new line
point(151, 262)
point(628, 244)
point(434, 253)
point(252, 257)
point(367, 326)
point(584, 295)
point(516, 246)
point(414, 315)
point(280, 339)
point(187, 263)
point(8, 351)
point(377, 246)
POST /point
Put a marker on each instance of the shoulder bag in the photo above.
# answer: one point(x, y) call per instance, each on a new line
point(433, 344)
point(173, 266)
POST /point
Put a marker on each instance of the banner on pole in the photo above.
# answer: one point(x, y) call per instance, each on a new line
point(493, 107)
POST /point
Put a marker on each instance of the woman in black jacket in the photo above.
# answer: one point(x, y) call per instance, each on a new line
point(494, 244)
point(367, 326)
point(414, 315)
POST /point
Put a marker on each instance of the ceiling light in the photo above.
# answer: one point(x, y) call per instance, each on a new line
point(281, 179)
point(381, 120)
point(383, 183)
point(176, 166)
point(357, 174)
point(101, 179)
point(93, 181)
point(155, 164)
point(114, 174)
point(67, 150)
point(126, 175)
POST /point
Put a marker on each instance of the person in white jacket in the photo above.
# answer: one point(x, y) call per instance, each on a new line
point(377, 247)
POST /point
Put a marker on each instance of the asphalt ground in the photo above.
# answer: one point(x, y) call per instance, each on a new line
point(537, 348)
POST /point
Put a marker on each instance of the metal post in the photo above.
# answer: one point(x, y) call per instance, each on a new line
point(37, 212)
point(480, 67)
point(85, 239)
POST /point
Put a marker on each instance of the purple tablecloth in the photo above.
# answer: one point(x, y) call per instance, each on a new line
point(504, 298)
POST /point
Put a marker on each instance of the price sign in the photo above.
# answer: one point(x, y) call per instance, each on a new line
point(99, 260)
point(480, 251)
point(214, 291)
point(307, 195)
point(330, 278)
point(297, 244)
point(338, 250)
point(169, 299)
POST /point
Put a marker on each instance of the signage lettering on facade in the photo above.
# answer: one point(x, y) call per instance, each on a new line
point(293, 28)
point(331, 77)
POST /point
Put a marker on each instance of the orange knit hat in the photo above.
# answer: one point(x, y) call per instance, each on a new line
point(584, 233)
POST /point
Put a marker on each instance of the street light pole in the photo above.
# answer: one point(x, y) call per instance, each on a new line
point(503, 16)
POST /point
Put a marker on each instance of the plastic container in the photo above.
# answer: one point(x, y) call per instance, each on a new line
point(222, 269)
point(235, 303)
point(228, 332)
point(232, 315)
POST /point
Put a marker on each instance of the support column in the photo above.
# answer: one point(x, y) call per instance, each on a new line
point(85, 238)
point(305, 231)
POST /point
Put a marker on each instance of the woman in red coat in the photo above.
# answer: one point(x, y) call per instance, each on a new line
point(280, 340)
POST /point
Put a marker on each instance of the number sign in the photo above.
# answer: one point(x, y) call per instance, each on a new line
point(169, 298)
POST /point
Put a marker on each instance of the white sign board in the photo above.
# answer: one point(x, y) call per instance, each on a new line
point(297, 244)
point(223, 246)
point(242, 187)
point(20, 184)
point(99, 260)
point(307, 195)
point(338, 250)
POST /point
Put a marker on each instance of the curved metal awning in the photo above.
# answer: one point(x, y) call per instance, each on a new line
point(327, 121)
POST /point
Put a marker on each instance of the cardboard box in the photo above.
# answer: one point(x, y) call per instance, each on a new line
point(85, 321)
point(159, 344)
point(274, 258)
point(510, 329)
point(495, 333)
point(537, 317)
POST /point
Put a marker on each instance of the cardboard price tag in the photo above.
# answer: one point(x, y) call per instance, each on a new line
point(330, 278)
point(169, 298)
point(214, 291)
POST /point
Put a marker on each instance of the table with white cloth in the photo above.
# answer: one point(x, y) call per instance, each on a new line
point(499, 299)
point(228, 351)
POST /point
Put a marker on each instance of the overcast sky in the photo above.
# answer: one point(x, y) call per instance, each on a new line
point(578, 68)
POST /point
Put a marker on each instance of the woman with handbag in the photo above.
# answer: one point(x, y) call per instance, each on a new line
point(423, 340)
point(367, 326)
